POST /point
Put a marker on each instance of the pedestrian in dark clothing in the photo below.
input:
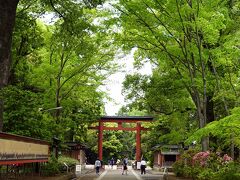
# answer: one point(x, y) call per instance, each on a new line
point(112, 163)
point(125, 162)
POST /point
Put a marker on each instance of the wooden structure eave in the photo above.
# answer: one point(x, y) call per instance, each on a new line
point(120, 128)
point(127, 119)
point(8, 136)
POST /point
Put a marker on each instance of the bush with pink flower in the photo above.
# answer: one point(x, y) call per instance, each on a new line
point(226, 158)
point(201, 158)
point(206, 165)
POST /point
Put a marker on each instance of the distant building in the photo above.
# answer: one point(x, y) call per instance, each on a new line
point(166, 155)
point(76, 151)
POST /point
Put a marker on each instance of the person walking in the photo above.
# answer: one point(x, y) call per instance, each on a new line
point(143, 166)
point(112, 163)
point(125, 162)
point(97, 165)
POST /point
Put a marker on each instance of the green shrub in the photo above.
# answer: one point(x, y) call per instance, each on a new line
point(206, 174)
point(229, 172)
point(183, 167)
point(178, 168)
point(70, 162)
point(51, 167)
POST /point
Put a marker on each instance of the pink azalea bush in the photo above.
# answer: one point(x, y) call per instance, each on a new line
point(201, 158)
point(226, 158)
point(205, 165)
point(206, 159)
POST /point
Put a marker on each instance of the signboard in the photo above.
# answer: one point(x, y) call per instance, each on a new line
point(19, 149)
point(138, 165)
point(78, 170)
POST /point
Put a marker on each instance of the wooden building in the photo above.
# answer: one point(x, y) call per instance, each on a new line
point(76, 151)
point(166, 155)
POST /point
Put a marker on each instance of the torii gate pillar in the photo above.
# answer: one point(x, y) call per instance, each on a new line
point(138, 142)
point(100, 140)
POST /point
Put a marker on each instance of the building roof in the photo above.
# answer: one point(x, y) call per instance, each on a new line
point(75, 145)
point(170, 153)
point(166, 146)
point(8, 136)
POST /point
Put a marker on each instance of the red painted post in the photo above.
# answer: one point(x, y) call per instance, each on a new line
point(138, 142)
point(119, 124)
point(100, 140)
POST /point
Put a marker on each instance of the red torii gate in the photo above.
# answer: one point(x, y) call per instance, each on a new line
point(119, 120)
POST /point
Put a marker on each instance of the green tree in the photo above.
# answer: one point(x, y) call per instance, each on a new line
point(8, 15)
point(22, 116)
point(225, 130)
point(74, 64)
point(8, 12)
point(183, 36)
point(62, 64)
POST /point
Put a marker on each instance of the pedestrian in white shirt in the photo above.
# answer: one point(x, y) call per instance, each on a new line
point(143, 166)
point(97, 165)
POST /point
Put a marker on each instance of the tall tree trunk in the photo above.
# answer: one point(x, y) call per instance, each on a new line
point(58, 104)
point(7, 20)
point(200, 113)
point(210, 108)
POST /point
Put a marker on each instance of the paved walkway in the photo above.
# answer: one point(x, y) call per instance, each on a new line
point(116, 174)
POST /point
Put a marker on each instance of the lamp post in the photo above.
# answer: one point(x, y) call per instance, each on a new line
point(56, 108)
